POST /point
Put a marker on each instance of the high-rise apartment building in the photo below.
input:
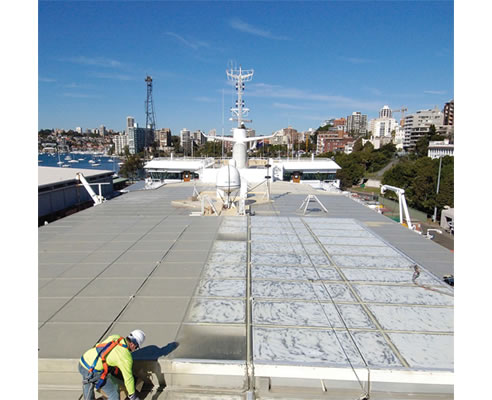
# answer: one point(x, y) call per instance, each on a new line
point(136, 139)
point(385, 112)
point(382, 126)
point(120, 141)
point(185, 140)
point(102, 130)
point(198, 138)
point(163, 137)
point(340, 124)
point(449, 113)
point(288, 136)
point(130, 123)
point(418, 125)
point(357, 124)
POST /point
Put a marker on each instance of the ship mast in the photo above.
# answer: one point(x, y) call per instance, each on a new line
point(239, 76)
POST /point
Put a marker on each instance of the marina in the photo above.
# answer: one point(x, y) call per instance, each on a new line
point(73, 160)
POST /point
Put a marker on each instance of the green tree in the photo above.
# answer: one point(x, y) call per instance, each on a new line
point(132, 164)
point(368, 147)
point(357, 145)
point(422, 146)
point(209, 149)
point(44, 133)
point(432, 130)
point(352, 170)
point(419, 180)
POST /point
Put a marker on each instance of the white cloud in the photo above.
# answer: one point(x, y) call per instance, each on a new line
point(95, 61)
point(74, 85)
point(288, 106)
point(48, 80)
point(241, 26)
point(120, 77)
point(355, 60)
point(80, 95)
point(194, 44)
point(204, 99)
point(434, 91)
point(276, 91)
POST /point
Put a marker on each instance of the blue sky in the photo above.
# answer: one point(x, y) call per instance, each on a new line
point(312, 61)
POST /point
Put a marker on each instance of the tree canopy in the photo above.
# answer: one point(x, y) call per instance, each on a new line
point(419, 179)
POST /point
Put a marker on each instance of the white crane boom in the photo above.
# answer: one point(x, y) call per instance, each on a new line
point(402, 203)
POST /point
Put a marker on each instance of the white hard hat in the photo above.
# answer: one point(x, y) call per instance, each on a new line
point(137, 336)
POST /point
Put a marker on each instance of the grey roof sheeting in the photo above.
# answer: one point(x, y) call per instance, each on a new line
point(330, 295)
point(55, 175)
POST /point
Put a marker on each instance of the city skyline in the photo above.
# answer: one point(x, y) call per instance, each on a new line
point(312, 61)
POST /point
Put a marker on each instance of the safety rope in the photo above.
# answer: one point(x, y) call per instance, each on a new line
point(416, 275)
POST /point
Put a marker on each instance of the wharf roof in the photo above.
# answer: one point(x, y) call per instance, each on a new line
point(179, 164)
point(299, 298)
point(55, 175)
point(309, 165)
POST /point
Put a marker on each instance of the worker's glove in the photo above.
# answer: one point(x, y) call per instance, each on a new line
point(134, 397)
point(169, 347)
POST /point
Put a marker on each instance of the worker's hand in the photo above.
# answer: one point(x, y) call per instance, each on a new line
point(169, 347)
point(172, 346)
point(134, 397)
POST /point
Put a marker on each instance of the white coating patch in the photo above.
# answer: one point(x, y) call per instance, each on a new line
point(420, 319)
point(226, 246)
point(220, 271)
point(221, 288)
point(376, 350)
point(357, 241)
point(303, 346)
point(425, 351)
point(371, 261)
point(281, 259)
point(277, 248)
point(280, 272)
point(217, 311)
point(227, 258)
point(295, 313)
point(402, 295)
point(355, 316)
point(387, 276)
point(376, 251)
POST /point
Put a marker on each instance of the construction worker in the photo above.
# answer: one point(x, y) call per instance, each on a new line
point(106, 358)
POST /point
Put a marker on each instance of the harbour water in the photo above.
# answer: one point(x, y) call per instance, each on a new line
point(78, 160)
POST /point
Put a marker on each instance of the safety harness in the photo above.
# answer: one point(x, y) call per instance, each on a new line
point(103, 350)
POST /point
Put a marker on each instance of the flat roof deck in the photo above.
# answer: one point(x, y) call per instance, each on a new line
point(55, 175)
point(329, 296)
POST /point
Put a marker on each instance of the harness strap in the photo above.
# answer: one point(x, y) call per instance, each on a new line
point(104, 346)
point(87, 366)
point(105, 351)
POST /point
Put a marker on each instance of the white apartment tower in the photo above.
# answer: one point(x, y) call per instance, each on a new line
point(385, 112)
point(418, 124)
point(357, 123)
point(185, 140)
point(120, 141)
point(130, 123)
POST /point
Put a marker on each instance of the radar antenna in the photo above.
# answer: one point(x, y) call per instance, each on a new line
point(239, 76)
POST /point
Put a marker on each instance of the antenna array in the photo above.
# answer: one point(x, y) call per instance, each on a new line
point(239, 76)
